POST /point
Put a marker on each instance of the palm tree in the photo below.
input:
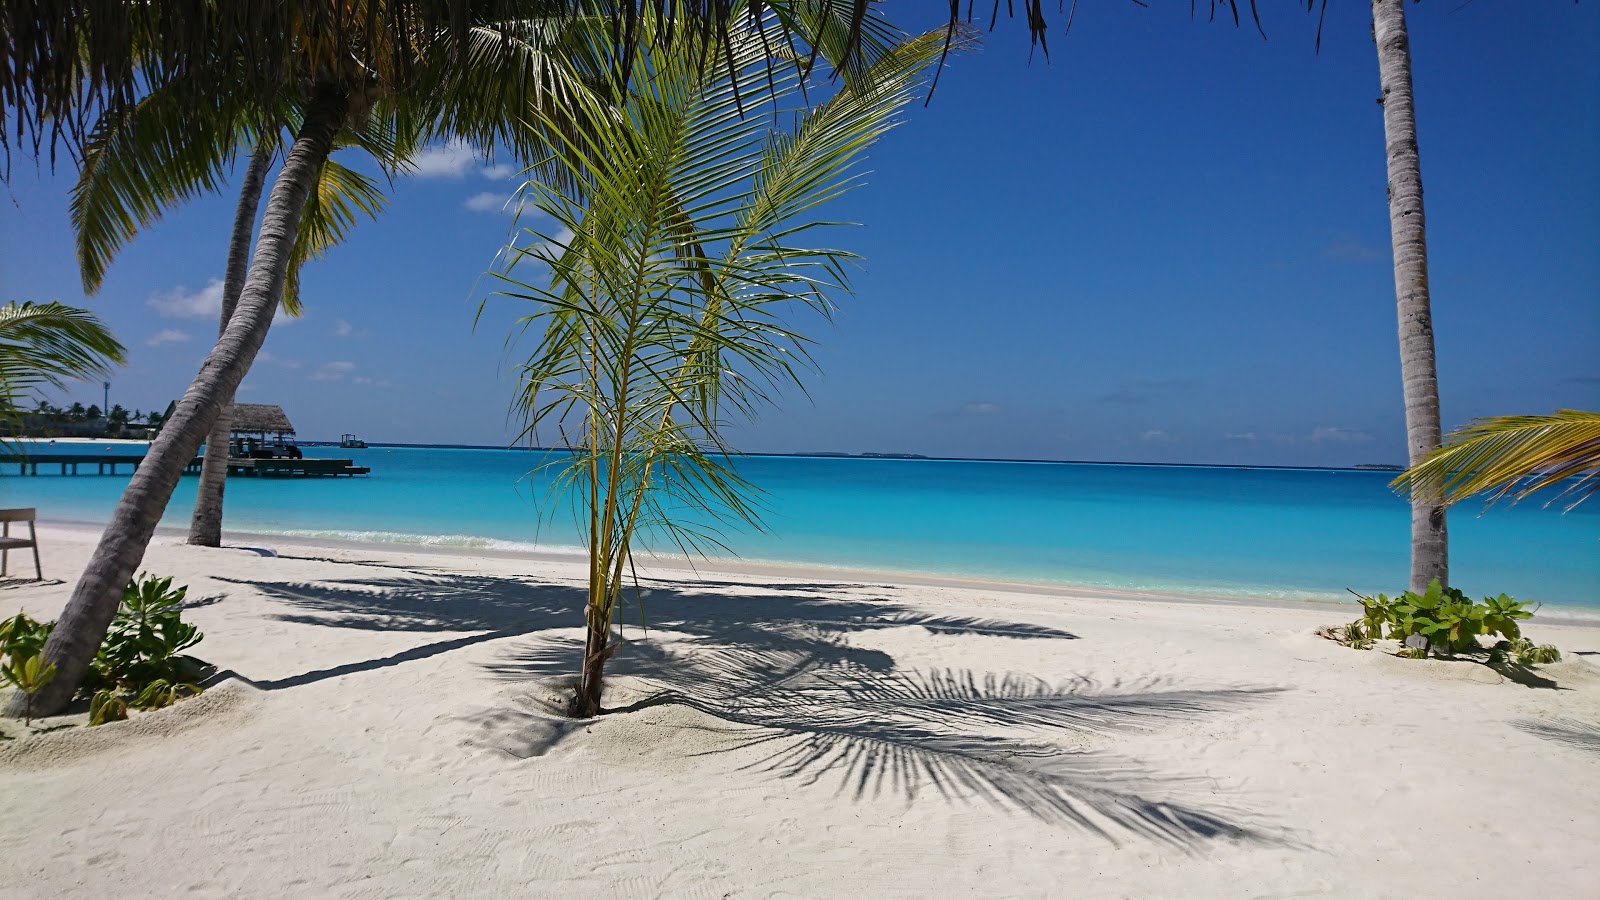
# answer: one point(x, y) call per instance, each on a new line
point(140, 162)
point(47, 345)
point(396, 66)
point(686, 218)
point(1430, 552)
point(1515, 455)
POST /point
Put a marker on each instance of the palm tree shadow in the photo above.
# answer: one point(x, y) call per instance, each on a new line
point(772, 670)
point(797, 702)
point(499, 607)
point(1572, 732)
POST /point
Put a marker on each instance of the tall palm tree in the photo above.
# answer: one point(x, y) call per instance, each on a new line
point(47, 345)
point(689, 218)
point(1430, 551)
point(396, 66)
point(140, 162)
point(1512, 455)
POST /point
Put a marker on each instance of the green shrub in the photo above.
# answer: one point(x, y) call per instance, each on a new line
point(1450, 623)
point(139, 664)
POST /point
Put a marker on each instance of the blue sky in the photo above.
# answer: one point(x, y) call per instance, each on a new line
point(1168, 244)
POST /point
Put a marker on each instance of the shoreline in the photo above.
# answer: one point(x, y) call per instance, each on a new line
point(1552, 614)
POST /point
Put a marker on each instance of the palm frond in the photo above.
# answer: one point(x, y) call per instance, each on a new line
point(49, 344)
point(141, 161)
point(1512, 456)
point(342, 195)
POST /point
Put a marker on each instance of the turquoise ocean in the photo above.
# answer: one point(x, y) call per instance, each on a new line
point(1246, 532)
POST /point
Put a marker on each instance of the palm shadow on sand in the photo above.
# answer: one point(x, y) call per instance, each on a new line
point(775, 670)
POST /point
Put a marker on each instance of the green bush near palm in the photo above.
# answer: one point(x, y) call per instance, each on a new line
point(1445, 622)
point(139, 665)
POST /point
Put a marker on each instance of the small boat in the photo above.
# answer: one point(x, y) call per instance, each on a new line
point(351, 442)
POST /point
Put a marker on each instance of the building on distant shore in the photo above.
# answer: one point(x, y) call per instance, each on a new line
point(259, 428)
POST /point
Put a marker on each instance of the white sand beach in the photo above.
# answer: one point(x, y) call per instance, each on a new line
point(388, 731)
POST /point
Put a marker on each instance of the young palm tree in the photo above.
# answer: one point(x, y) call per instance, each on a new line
point(1515, 455)
point(681, 247)
point(47, 345)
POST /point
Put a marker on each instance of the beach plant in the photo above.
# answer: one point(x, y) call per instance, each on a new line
point(1442, 621)
point(106, 706)
point(144, 646)
point(139, 664)
point(679, 245)
point(28, 674)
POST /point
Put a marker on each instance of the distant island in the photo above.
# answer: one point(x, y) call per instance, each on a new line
point(855, 455)
point(1381, 467)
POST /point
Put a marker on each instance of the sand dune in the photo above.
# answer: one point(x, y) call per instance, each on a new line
point(387, 728)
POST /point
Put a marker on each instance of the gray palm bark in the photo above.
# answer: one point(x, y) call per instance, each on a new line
point(82, 626)
point(1430, 556)
point(205, 529)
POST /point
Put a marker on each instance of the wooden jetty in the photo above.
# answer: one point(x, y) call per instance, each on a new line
point(106, 464)
point(69, 462)
point(262, 446)
point(305, 467)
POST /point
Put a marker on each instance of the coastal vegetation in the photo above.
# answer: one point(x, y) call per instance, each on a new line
point(140, 664)
point(679, 247)
point(1444, 622)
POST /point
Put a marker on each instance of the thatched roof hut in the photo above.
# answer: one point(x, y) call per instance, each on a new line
point(258, 419)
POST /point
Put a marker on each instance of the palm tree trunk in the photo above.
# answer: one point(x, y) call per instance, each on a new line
point(94, 601)
point(205, 529)
point(597, 649)
point(1430, 557)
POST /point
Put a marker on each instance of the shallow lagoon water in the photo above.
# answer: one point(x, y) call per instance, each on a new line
point(1249, 532)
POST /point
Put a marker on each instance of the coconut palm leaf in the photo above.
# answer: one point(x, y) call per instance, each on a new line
point(1512, 455)
point(49, 344)
point(143, 161)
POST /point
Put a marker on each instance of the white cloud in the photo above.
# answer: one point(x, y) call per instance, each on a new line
point(206, 303)
point(333, 371)
point(1331, 434)
point(456, 160)
point(1242, 436)
point(450, 160)
point(374, 382)
point(268, 357)
point(180, 303)
point(168, 336)
point(489, 201)
point(1156, 435)
point(980, 408)
point(342, 328)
